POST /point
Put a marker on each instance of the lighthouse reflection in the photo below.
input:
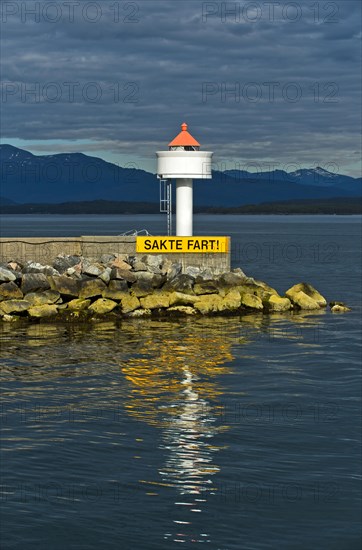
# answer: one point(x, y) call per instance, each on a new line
point(175, 387)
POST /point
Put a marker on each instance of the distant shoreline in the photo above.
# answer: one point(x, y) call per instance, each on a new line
point(335, 206)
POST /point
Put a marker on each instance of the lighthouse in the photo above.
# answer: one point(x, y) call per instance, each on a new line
point(184, 162)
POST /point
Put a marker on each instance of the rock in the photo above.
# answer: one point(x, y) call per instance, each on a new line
point(102, 306)
point(106, 275)
point(129, 303)
point(14, 306)
point(139, 266)
point(204, 275)
point(181, 283)
point(185, 310)
point(303, 301)
point(6, 275)
point(31, 282)
point(142, 288)
point(139, 313)
point(307, 289)
point(181, 299)
point(35, 267)
point(75, 272)
point(172, 270)
point(115, 290)
point(276, 303)
point(92, 269)
point(192, 271)
point(64, 285)
point(157, 300)
point(47, 310)
point(78, 304)
point(120, 263)
point(91, 288)
point(9, 318)
point(153, 262)
point(206, 287)
point(106, 259)
point(251, 301)
point(231, 301)
point(239, 271)
point(10, 291)
point(146, 276)
point(42, 298)
point(339, 307)
point(14, 266)
point(158, 281)
point(123, 274)
point(62, 263)
point(231, 279)
point(209, 303)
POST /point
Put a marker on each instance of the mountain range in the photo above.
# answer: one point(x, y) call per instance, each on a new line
point(28, 178)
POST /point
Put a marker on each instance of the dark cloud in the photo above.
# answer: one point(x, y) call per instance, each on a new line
point(256, 84)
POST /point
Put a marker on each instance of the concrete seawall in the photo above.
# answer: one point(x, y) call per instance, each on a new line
point(45, 249)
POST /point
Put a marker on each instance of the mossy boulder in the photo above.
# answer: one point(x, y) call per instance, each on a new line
point(276, 303)
point(102, 306)
point(46, 310)
point(206, 287)
point(91, 288)
point(251, 301)
point(42, 298)
point(339, 307)
point(209, 303)
point(31, 282)
point(64, 285)
point(157, 300)
point(307, 289)
point(231, 301)
point(14, 306)
point(10, 291)
point(181, 299)
point(78, 304)
point(115, 290)
point(301, 300)
point(129, 303)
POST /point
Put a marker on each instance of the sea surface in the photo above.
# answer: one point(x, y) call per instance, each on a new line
point(238, 433)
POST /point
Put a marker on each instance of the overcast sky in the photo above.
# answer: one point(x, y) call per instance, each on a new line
point(269, 83)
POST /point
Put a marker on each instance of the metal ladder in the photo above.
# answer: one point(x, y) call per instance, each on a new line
point(166, 202)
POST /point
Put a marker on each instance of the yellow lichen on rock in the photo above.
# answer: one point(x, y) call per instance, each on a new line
point(303, 301)
point(231, 301)
point(309, 290)
point(129, 303)
point(340, 308)
point(102, 306)
point(276, 303)
point(78, 304)
point(156, 301)
point(46, 310)
point(14, 306)
point(251, 301)
point(181, 299)
point(209, 303)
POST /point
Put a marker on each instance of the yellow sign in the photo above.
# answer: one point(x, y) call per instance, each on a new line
point(185, 245)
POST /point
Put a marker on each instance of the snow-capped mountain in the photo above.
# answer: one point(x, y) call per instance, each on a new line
point(28, 178)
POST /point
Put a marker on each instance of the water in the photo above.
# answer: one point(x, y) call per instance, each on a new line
point(231, 433)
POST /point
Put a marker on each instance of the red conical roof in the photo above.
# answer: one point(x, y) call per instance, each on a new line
point(184, 139)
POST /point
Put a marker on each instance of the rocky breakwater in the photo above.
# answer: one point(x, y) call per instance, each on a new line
point(78, 288)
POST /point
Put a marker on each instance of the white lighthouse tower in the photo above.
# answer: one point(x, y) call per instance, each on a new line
point(184, 161)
